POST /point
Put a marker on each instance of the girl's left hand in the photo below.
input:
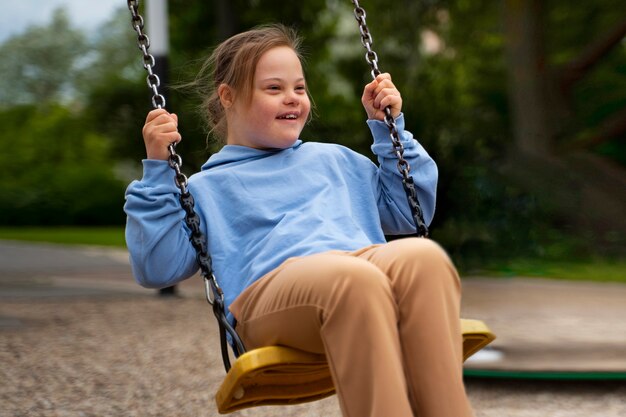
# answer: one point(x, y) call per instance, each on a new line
point(379, 94)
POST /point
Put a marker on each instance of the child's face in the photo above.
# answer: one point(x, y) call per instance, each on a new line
point(279, 105)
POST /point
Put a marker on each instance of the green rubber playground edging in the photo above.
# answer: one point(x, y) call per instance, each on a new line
point(545, 375)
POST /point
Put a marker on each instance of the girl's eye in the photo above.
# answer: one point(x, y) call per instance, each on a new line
point(301, 88)
point(273, 87)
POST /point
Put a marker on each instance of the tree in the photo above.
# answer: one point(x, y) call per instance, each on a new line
point(59, 151)
point(554, 137)
point(526, 64)
point(541, 90)
point(40, 65)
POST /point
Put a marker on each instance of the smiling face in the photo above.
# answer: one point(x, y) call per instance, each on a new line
point(279, 105)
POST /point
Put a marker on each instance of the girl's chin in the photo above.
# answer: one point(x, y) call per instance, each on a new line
point(285, 143)
point(282, 143)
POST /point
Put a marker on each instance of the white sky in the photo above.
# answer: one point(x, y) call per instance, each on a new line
point(17, 15)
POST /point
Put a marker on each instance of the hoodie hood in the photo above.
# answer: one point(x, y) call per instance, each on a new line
point(230, 154)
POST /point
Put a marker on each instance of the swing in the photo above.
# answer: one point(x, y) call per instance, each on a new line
point(279, 375)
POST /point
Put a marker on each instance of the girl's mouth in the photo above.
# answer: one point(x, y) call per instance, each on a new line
point(288, 116)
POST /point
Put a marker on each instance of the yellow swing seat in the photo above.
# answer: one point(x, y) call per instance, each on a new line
point(278, 375)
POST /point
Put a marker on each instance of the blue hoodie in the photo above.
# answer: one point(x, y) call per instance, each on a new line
point(261, 207)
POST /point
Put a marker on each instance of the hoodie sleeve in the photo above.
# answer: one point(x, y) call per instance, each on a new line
point(395, 213)
point(158, 241)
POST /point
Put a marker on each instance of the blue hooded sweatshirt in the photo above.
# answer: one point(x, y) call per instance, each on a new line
point(261, 207)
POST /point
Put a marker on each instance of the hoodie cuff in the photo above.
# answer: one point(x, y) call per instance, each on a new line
point(380, 130)
point(157, 172)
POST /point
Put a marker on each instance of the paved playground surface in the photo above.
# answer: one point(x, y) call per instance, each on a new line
point(79, 338)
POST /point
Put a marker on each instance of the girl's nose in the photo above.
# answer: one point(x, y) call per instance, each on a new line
point(292, 98)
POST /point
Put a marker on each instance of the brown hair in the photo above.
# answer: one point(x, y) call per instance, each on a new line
point(233, 62)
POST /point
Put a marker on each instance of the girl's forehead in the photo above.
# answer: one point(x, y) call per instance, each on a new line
point(279, 59)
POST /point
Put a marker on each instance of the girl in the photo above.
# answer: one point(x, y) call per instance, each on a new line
point(296, 232)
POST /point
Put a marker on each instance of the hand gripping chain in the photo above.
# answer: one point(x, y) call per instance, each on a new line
point(403, 166)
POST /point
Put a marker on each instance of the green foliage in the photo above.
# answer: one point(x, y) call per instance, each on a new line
point(58, 171)
point(66, 107)
point(116, 108)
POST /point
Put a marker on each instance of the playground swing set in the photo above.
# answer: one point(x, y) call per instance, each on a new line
point(279, 375)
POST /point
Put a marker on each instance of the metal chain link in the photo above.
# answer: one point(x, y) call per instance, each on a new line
point(214, 294)
point(158, 101)
point(403, 166)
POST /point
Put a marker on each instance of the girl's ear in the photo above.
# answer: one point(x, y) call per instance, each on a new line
point(226, 95)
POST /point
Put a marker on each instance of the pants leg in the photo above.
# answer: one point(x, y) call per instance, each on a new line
point(426, 289)
point(386, 316)
point(339, 305)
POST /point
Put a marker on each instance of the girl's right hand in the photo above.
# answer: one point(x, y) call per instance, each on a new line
point(160, 130)
point(379, 94)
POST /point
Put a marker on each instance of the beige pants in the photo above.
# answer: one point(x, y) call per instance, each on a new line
point(386, 316)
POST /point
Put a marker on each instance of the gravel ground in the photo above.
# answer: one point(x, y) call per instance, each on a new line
point(79, 338)
point(138, 355)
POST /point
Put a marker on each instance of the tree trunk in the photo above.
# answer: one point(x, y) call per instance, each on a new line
point(226, 19)
point(591, 55)
point(528, 83)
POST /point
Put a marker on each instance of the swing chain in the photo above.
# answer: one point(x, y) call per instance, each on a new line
point(143, 42)
point(403, 165)
point(192, 220)
point(214, 294)
point(366, 38)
